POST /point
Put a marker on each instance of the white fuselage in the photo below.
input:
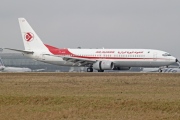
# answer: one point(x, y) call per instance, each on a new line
point(120, 57)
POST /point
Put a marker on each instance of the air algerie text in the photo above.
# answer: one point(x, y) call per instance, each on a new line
point(105, 51)
point(130, 52)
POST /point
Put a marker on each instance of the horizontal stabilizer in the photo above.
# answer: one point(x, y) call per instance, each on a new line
point(22, 51)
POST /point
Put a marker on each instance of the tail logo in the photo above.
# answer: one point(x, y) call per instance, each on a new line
point(29, 36)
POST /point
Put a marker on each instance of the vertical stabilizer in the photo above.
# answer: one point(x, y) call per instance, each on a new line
point(31, 40)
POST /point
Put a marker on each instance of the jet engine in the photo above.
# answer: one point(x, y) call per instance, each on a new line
point(103, 65)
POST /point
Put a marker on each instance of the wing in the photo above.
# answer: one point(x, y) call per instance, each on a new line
point(79, 61)
point(76, 60)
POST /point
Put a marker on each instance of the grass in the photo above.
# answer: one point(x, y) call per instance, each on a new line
point(132, 96)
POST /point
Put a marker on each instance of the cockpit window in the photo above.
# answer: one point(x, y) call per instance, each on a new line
point(166, 54)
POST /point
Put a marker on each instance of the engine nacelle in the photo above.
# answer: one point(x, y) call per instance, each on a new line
point(103, 65)
point(122, 68)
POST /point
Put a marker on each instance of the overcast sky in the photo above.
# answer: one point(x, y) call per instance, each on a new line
point(151, 24)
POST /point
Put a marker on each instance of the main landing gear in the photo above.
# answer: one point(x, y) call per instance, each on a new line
point(100, 70)
point(90, 69)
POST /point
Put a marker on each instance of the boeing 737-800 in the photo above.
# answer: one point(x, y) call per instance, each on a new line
point(98, 59)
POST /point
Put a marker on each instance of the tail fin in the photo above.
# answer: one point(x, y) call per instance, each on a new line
point(30, 38)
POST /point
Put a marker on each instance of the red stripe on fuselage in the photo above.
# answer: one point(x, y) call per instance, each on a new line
point(57, 51)
point(66, 52)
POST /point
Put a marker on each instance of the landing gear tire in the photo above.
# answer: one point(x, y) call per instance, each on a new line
point(89, 69)
point(100, 70)
point(160, 70)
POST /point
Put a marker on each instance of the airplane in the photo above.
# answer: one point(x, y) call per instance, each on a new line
point(12, 69)
point(17, 69)
point(98, 59)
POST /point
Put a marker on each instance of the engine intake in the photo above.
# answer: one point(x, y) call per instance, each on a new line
point(103, 65)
